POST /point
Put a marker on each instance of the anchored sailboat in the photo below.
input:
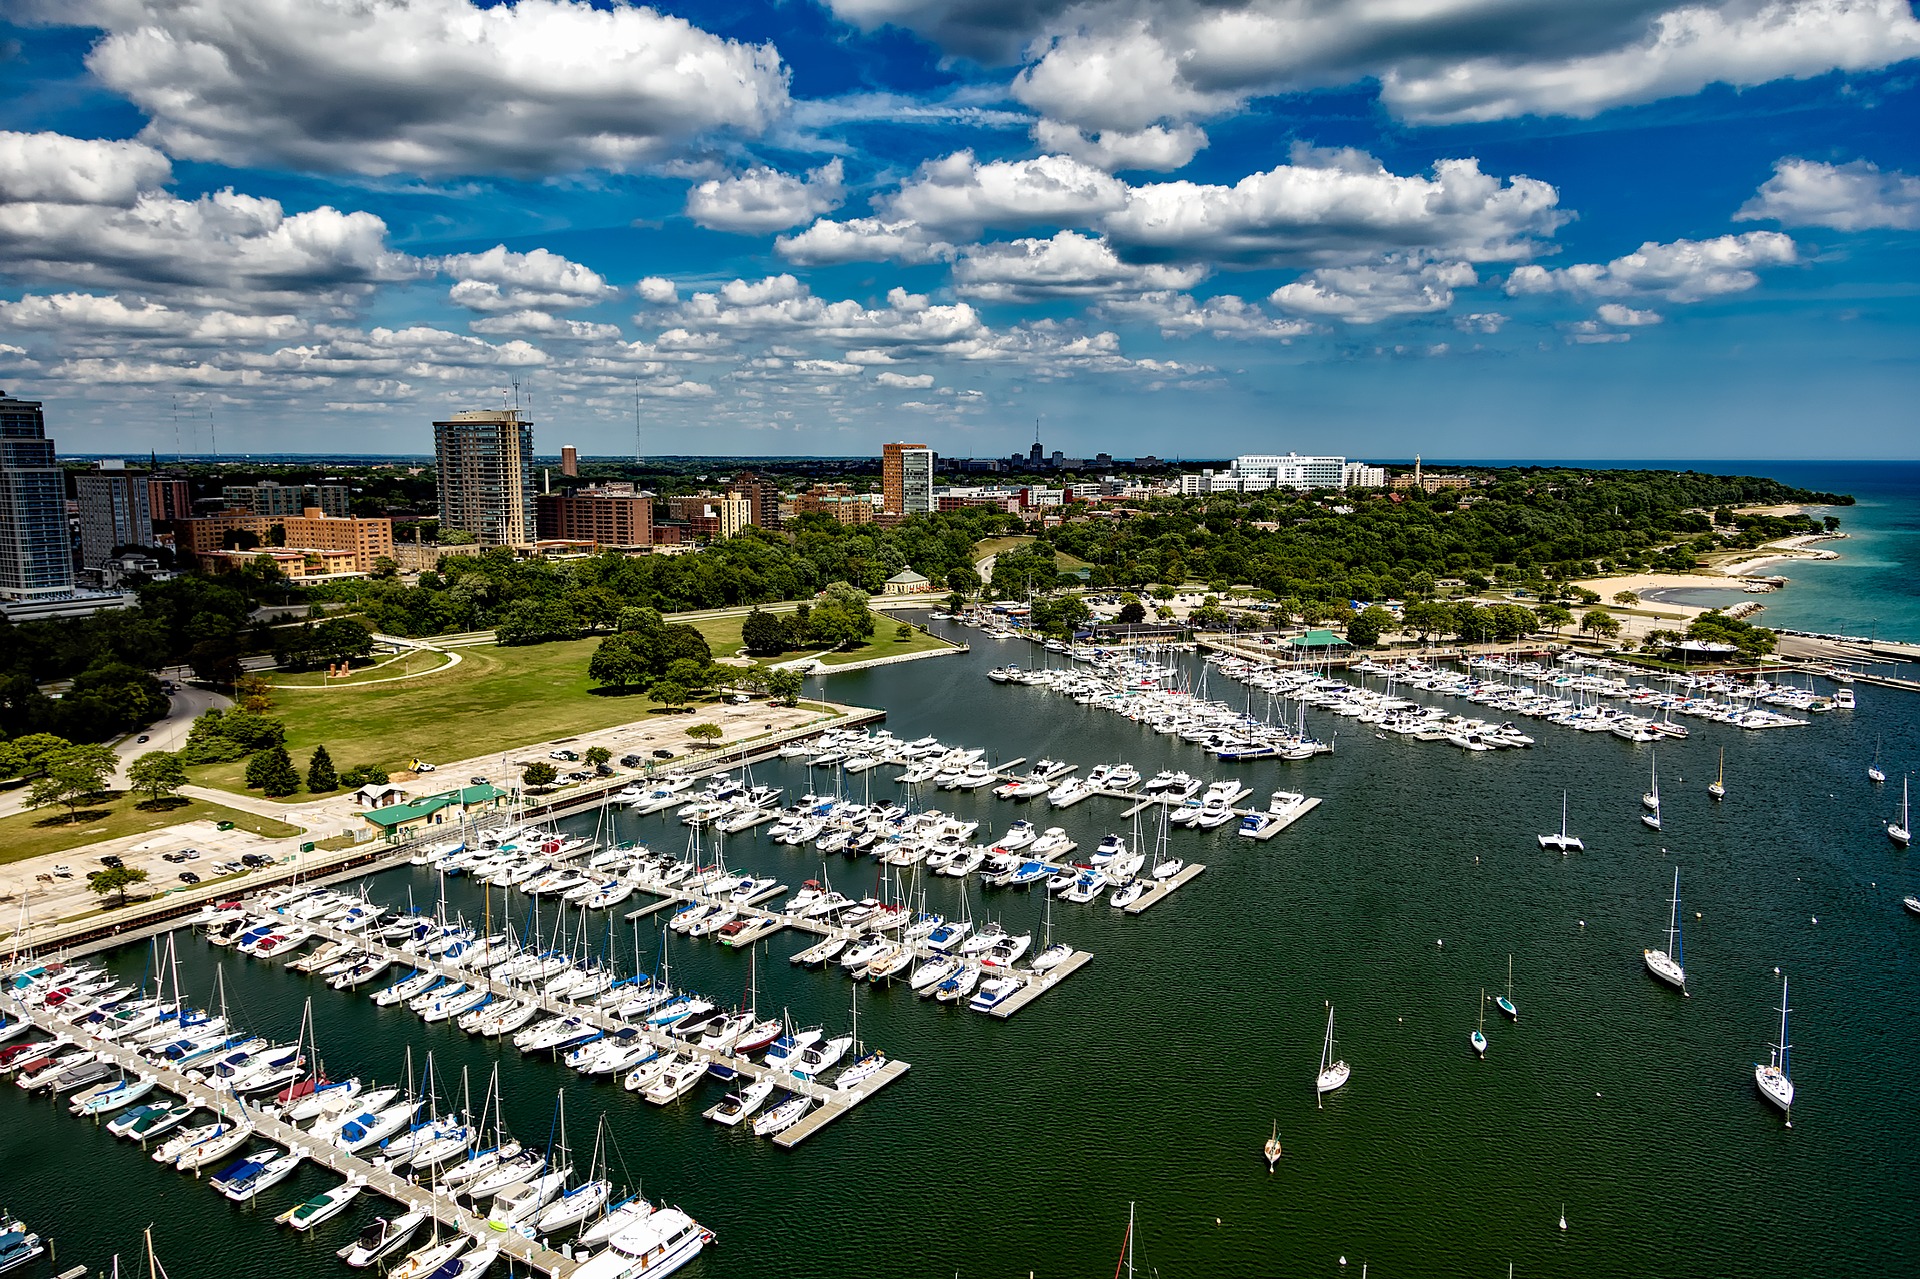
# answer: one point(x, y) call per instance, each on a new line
point(1875, 773)
point(1564, 842)
point(1506, 1001)
point(1775, 1084)
point(1901, 831)
point(1718, 787)
point(1332, 1073)
point(1272, 1148)
point(1666, 964)
point(1651, 800)
point(1479, 1037)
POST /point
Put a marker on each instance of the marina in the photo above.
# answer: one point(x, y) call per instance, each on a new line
point(1353, 879)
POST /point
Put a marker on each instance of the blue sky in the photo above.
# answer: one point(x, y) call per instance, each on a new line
point(1623, 228)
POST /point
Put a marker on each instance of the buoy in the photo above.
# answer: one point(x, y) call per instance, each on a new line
point(1816, 919)
point(1442, 942)
point(1343, 1259)
point(1583, 923)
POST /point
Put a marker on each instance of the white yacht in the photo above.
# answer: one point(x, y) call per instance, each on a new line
point(1666, 964)
point(657, 1245)
point(1563, 843)
point(1772, 1079)
point(1333, 1073)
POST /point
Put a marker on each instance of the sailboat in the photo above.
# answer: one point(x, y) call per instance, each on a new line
point(1479, 1037)
point(1874, 772)
point(1506, 1001)
point(1272, 1148)
point(1775, 1084)
point(1718, 787)
point(1564, 842)
point(1666, 964)
point(1901, 832)
point(1332, 1073)
point(1651, 800)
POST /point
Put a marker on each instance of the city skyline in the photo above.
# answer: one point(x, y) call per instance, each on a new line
point(807, 230)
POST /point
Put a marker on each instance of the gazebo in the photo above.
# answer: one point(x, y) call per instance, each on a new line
point(1318, 642)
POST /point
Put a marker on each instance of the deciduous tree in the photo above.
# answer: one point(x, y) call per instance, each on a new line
point(157, 774)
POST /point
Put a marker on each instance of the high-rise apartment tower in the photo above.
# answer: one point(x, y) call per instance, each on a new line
point(486, 476)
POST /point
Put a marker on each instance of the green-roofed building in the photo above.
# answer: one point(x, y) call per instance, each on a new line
point(397, 821)
point(1319, 642)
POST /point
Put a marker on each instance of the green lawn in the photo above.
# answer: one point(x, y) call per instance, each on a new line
point(497, 699)
point(32, 833)
point(723, 633)
point(883, 644)
point(412, 662)
point(995, 545)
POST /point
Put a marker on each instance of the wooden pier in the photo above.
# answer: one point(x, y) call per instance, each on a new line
point(517, 1247)
point(603, 1020)
point(1167, 887)
point(1047, 981)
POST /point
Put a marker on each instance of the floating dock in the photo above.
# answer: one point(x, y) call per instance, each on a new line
point(517, 1247)
point(1188, 873)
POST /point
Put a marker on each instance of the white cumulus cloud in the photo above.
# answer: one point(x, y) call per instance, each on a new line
point(1369, 294)
point(1680, 271)
point(1156, 147)
point(502, 280)
point(827, 243)
point(958, 195)
point(1625, 317)
point(904, 381)
point(426, 86)
point(1847, 197)
point(1340, 206)
point(1124, 64)
point(763, 199)
point(1068, 265)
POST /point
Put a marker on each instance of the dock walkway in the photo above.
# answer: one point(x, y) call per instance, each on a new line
point(527, 1252)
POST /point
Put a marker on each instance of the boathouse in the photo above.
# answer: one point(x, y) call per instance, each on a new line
point(397, 821)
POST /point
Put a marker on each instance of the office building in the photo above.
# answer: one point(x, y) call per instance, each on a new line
point(837, 501)
point(906, 479)
point(763, 497)
point(609, 515)
point(569, 460)
point(321, 543)
point(486, 476)
point(36, 549)
point(1358, 475)
point(113, 511)
point(1255, 473)
point(168, 499)
point(272, 498)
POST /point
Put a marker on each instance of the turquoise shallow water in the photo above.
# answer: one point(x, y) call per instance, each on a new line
point(1155, 1073)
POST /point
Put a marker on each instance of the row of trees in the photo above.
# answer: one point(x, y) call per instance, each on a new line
point(1527, 526)
point(535, 600)
point(840, 618)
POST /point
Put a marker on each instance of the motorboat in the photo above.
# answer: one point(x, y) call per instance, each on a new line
point(657, 1244)
point(781, 1117)
point(322, 1207)
point(382, 1237)
point(995, 992)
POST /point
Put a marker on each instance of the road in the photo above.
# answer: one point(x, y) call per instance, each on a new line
point(168, 734)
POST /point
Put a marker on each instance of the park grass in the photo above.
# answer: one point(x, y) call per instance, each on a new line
point(497, 699)
point(723, 633)
point(40, 831)
point(883, 644)
point(995, 545)
point(412, 662)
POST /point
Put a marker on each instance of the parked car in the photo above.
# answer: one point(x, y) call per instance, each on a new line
point(578, 776)
point(601, 770)
point(251, 860)
point(629, 761)
point(477, 781)
point(663, 753)
point(569, 756)
point(112, 860)
point(188, 877)
point(143, 737)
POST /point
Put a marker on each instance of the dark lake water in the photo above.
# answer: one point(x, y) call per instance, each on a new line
point(1155, 1073)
